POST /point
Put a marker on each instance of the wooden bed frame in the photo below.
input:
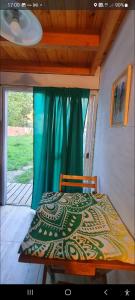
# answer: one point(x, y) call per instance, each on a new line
point(80, 268)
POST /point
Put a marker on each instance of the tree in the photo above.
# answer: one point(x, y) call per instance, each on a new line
point(20, 109)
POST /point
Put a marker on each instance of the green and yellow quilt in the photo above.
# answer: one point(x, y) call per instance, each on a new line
point(78, 226)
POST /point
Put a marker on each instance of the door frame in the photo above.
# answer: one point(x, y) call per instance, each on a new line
point(3, 136)
point(90, 132)
point(3, 149)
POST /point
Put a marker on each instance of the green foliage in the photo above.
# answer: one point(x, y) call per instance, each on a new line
point(25, 177)
point(20, 109)
point(20, 152)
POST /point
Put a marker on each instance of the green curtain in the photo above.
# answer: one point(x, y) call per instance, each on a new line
point(59, 116)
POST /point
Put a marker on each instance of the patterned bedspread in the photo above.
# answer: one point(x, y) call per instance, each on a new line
point(78, 226)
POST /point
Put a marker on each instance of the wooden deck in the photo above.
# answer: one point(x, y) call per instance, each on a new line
point(19, 194)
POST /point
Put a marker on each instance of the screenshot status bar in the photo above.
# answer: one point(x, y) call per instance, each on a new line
point(67, 4)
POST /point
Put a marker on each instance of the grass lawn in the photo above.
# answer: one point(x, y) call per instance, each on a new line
point(20, 151)
point(25, 177)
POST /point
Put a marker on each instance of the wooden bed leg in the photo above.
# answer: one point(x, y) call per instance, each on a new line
point(101, 277)
point(52, 274)
point(44, 275)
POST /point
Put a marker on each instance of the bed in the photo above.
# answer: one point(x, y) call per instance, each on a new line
point(78, 233)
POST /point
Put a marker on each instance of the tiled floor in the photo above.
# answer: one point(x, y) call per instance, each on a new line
point(15, 222)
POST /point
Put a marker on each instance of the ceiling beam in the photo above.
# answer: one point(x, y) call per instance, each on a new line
point(21, 67)
point(110, 26)
point(89, 42)
point(70, 40)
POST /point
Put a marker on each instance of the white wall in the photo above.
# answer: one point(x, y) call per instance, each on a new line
point(114, 147)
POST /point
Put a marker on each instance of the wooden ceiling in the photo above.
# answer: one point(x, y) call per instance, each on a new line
point(74, 42)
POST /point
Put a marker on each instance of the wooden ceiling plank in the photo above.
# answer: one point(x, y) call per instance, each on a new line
point(80, 21)
point(68, 40)
point(44, 69)
point(110, 25)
